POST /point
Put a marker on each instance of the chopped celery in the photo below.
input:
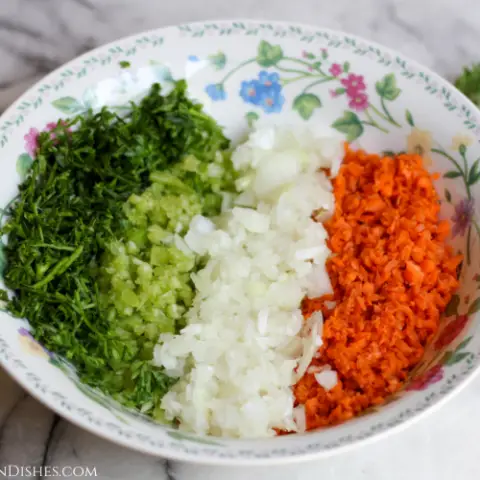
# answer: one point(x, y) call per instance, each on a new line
point(145, 279)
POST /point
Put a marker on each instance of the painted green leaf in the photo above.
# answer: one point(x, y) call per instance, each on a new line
point(409, 118)
point(162, 73)
point(89, 98)
point(474, 174)
point(388, 153)
point(24, 162)
point(218, 60)
point(452, 307)
point(124, 64)
point(448, 196)
point(350, 125)
point(177, 435)
point(251, 118)
point(391, 153)
point(268, 54)
point(346, 67)
point(474, 306)
point(444, 360)
point(463, 344)
point(68, 105)
point(309, 55)
point(387, 87)
point(324, 54)
point(452, 174)
point(99, 398)
point(305, 104)
point(456, 358)
point(56, 362)
point(340, 91)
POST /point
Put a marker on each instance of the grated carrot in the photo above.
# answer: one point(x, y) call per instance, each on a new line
point(392, 276)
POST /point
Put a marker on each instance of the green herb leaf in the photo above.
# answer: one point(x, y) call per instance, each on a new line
point(350, 125)
point(72, 206)
point(469, 83)
point(305, 104)
point(124, 64)
point(2, 259)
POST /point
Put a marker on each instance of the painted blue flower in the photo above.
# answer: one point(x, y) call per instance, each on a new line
point(193, 58)
point(272, 99)
point(216, 91)
point(269, 79)
point(265, 92)
point(251, 91)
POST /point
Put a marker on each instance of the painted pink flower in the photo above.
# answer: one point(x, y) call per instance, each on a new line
point(333, 93)
point(451, 331)
point(53, 125)
point(31, 138)
point(335, 70)
point(353, 84)
point(359, 102)
point(434, 375)
point(304, 54)
point(31, 141)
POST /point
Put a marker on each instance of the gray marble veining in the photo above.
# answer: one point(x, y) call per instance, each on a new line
point(36, 36)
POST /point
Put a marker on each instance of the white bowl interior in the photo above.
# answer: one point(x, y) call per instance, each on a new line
point(424, 109)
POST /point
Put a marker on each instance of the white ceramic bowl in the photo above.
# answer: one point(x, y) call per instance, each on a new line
point(372, 95)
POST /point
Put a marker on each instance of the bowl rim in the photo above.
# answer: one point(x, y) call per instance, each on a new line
point(13, 365)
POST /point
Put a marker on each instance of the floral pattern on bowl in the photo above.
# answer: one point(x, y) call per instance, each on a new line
point(283, 73)
point(31, 346)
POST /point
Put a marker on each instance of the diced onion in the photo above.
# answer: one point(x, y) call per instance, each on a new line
point(327, 379)
point(244, 346)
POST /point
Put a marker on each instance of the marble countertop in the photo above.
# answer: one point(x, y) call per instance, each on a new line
point(38, 35)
